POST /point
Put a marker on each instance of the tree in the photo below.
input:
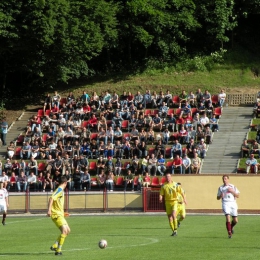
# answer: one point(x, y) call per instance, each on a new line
point(8, 38)
point(158, 28)
point(216, 18)
point(247, 32)
point(49, 41)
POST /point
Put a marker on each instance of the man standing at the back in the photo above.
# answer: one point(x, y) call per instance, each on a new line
point(4, 128)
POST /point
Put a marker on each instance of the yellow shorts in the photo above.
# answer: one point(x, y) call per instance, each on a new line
point(171, 206)
point(181, 210)
point(59, 221)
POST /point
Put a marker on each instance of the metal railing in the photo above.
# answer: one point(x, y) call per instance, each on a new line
point(77, 201)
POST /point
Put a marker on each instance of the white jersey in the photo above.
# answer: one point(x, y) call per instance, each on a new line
point(227, 196)
point(3, 196)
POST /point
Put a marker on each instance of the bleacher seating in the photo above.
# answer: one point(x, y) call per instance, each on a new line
point(156, 181)
point(253, 128)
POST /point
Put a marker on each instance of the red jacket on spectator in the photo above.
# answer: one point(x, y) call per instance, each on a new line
point(177, 161)
point(55, 109)
point(147, 178)
point(86, 108)
point(92, 121)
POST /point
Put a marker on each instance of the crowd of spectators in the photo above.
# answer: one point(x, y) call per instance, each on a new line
point(143, 134)
point(250, 148)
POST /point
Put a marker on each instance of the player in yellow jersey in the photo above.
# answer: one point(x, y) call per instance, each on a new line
point(169, 192)
point(56, 212)
point(181, 212)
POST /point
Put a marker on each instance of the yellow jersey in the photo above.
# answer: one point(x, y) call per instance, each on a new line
point(58, 202)
point(170, 191)
point(180, 195)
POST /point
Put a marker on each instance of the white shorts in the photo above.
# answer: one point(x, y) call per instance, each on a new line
point(230, 208)
point(10, 153)
point(3, 208)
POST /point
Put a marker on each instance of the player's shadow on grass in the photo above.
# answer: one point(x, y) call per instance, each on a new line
point(201, 237)
point(145, 228)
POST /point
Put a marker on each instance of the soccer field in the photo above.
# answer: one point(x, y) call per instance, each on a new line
point(131, 237)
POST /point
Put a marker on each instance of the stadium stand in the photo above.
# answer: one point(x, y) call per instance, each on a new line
point(61, 133)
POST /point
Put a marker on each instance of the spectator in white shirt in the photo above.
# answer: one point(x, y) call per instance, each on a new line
point(221, 98)
point(201, 149)
point(186, 163)
point(152, 165)
point(109, 135)
point(166, 136)
point(252, 162)
point(32, 181)
point(204, 120)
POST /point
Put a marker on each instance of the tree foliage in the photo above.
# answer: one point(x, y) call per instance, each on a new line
point(48, 41)
point(155, 28)
point(45, 42)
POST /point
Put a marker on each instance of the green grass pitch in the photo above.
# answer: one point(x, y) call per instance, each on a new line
point(131, 237)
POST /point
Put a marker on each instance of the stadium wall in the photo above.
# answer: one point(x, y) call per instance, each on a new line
point(201, 193)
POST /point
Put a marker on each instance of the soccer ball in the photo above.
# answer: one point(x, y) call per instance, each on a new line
point(102, 243)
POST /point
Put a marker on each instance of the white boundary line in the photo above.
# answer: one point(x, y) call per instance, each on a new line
point(12, 222)
point(152, 241)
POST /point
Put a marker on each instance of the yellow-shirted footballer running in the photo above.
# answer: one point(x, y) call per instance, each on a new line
point(181, 212)
point(56, 212)
point(169, 192)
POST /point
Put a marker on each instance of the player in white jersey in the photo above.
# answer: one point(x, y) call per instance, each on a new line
point(3, 202)
point(229, 193)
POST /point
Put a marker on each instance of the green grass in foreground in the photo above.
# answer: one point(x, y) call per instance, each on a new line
point(132, 237)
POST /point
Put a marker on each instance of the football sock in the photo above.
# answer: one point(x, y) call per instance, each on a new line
point(171, 225)
point(228, 226)
point(233, 224)
point(4, 217)
point(180, 219)
point(55, 245)
point(58, 251)
point(61, 240)
point(175, 221)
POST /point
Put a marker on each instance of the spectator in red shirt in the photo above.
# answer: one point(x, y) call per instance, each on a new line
point(16, 167)
point(92, 122)
point(177, 164)
point(183, 135)
point(130, 98)
point(12, 182)
point(146, 180)
point(86, 110)
point(54, 110)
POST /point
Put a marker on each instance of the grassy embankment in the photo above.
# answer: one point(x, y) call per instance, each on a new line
point(234, 74)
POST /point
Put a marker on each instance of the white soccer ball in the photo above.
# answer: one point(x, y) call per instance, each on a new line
point(102, 243)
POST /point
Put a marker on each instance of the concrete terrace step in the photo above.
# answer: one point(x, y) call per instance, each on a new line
point(223, 148)
point(211, 161)
point(223, 154)
point(218, 169)
point(16, 129)
point(222, 159)
point(222, 168)
point(220, 143)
